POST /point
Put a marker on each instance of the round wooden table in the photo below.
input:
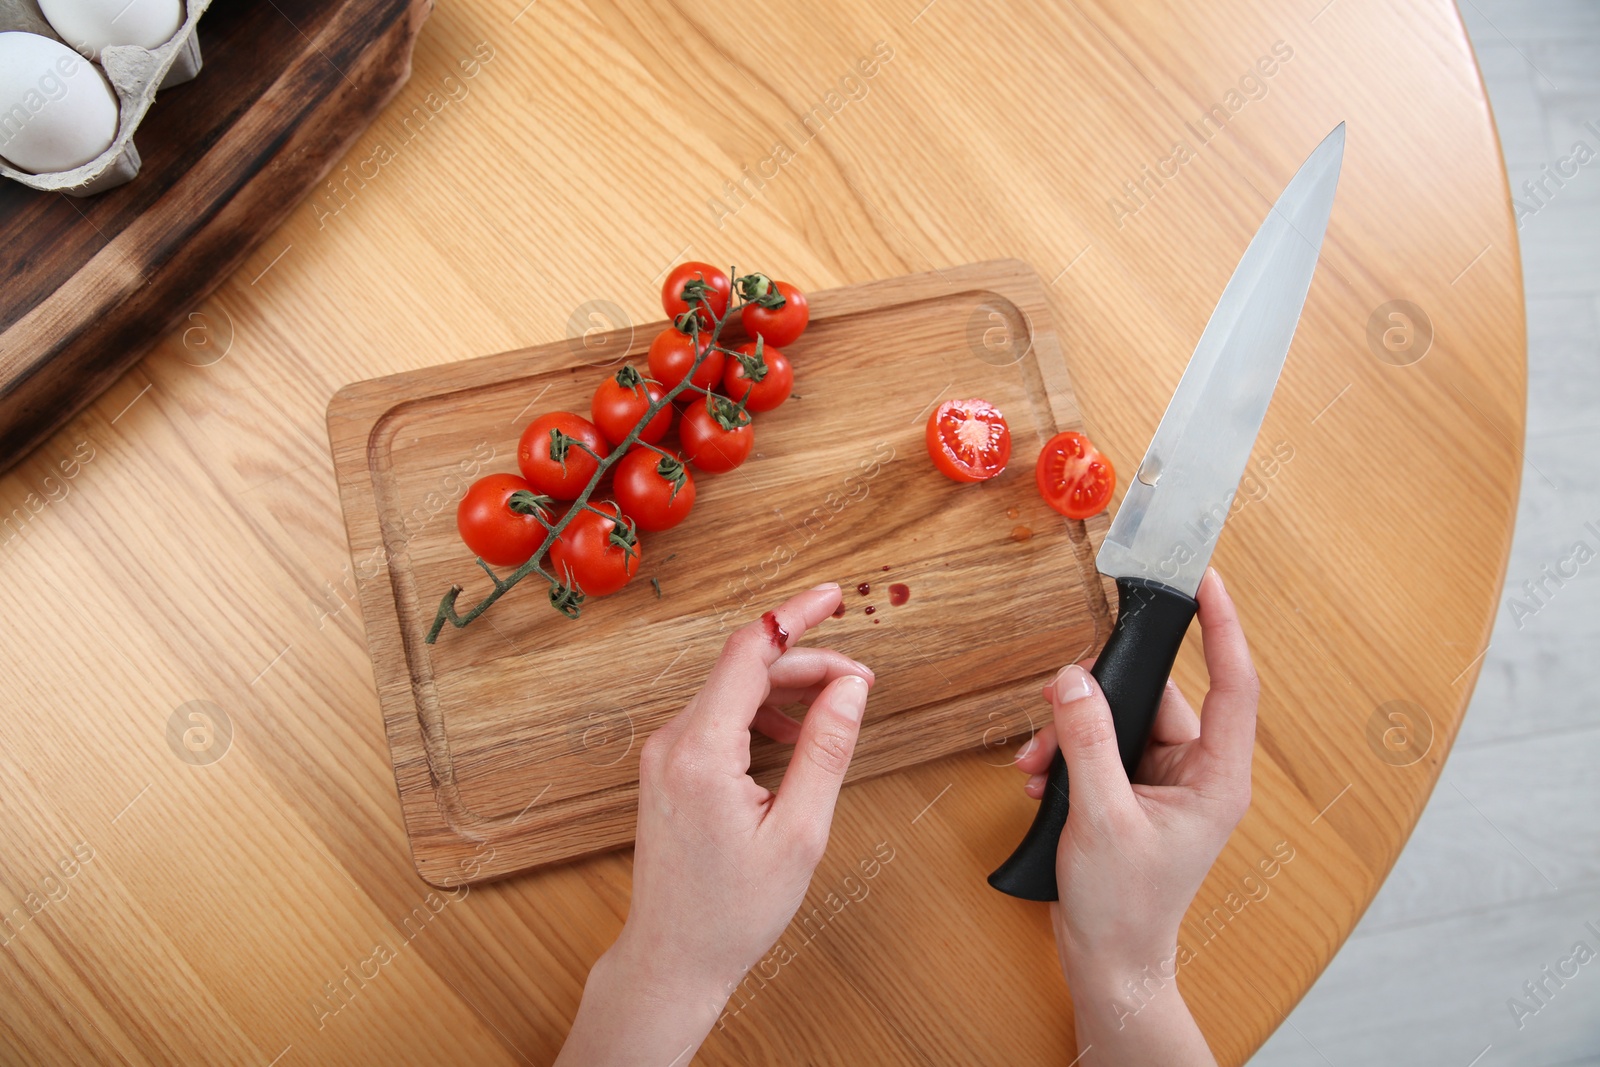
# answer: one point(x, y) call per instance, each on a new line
point(191, 554)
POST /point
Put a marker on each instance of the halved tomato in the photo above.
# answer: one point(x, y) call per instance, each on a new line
point(1074, 477)
point(968, 440)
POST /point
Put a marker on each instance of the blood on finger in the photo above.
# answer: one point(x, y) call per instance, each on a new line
point(775, 631)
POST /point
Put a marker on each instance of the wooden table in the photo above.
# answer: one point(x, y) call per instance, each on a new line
point(184, 542)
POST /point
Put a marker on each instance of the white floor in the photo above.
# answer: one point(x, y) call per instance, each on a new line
point(1503, 872)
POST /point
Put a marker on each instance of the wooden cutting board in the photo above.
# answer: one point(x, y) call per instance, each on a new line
point(516, 740)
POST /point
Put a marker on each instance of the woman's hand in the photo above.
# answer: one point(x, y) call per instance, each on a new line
point(720, 863)
point(1133, 856)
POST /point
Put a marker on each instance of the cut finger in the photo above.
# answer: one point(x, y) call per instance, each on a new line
point(719, 716)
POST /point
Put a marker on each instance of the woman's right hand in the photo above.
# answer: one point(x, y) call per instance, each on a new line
point(1133, 856)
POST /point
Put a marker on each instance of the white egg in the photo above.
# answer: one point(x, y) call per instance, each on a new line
point(57, 111)
point(90, 25)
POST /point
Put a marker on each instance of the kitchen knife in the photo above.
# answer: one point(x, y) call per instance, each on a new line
point(1162, 536)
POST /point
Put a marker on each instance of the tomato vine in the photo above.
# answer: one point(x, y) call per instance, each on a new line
point(565, 594)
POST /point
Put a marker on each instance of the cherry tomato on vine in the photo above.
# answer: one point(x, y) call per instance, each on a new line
point(655, 491)
point(620, 402)
point(499, 530)
point(599, 553)
point(672, 354)
point(712, 282)
point(968, 440)
point(550, 456)
point(768, 386)
point(1074, 477)
point(782, 325)
point(715, 434)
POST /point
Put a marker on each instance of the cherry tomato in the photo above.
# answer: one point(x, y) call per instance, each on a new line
point(775, 382)
point(655, 491)
point(1074, 477)
point(969, 440)
point(672, 354)
point(713, 283)
point(620, 402)
point(558, 467)
point(497, 532)
point(597, 553)
point(783, 325)
point(716, 435)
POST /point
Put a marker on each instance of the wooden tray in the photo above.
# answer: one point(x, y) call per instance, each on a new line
point(515, 740)
point(87, 285)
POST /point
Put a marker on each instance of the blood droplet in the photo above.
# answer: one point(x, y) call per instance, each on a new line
point(775, 631)
point(864, 588)
point(869, 609)
point(838, 612)
point(1020, 533)
point(885, 566)
point(899, 593)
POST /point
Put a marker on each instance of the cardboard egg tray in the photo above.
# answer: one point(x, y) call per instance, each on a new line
point(135, 74)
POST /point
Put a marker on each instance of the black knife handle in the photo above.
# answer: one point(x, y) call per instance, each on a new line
point(1132, 671)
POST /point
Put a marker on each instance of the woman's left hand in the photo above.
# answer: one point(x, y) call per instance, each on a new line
point(721, 864)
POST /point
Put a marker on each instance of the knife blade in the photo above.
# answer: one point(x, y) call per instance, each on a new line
point(1162, 536)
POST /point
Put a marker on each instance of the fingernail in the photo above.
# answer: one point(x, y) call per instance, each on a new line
point(825, 586)
point(1027, 750)
point(852, 697)
point(868, 671)
point(1072, 684)
point(1217, 578)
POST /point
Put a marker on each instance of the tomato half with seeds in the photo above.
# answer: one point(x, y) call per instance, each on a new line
point(498, 518)
point(551, 457)
point(597, 553)
point(781, 325)
point(1074, 477)
point(672, 353)
point(655, 491)
point(716, 435)
point(968, 440)
point(760, 375)
point(690, 278)
point(621, 400)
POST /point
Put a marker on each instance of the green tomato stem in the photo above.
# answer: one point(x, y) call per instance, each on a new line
point(567, 597)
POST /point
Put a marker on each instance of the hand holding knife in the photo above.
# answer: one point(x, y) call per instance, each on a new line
point(1162, 536)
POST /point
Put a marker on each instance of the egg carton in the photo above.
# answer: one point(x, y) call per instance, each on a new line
point(135, 74)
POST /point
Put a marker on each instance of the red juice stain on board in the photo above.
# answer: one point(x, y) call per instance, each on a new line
point(899, 593)
point(869, 609)
point(1020, 533)
point(1012, 512)
point(775, 631)
point(838, 612)
point(864, 588)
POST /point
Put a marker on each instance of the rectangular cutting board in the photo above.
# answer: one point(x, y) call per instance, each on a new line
point(515, 740)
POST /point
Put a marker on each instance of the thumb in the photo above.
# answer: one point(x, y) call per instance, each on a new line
point(1097, 783)
point(804, 806)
